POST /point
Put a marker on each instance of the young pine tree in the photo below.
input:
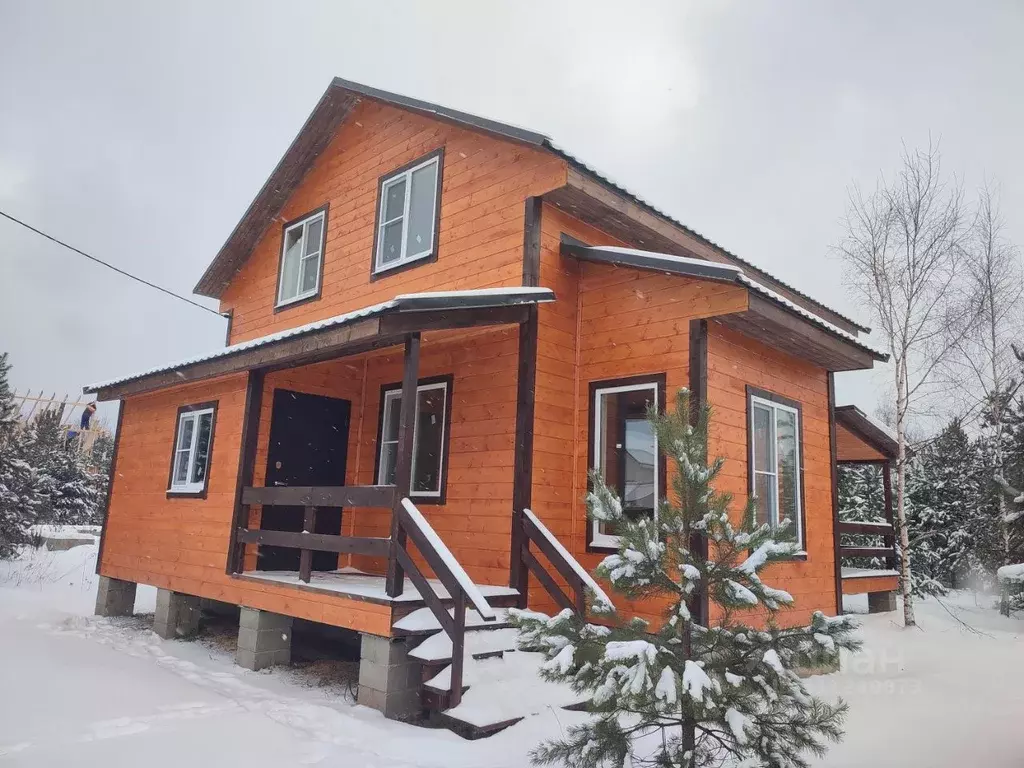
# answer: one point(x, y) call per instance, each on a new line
point(683, 694)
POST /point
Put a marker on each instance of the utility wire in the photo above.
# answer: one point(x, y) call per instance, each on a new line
point(109, 266)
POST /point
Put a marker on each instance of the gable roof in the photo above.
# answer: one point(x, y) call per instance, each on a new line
point(336, 104)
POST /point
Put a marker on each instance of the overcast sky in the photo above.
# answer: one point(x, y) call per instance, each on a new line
point(139, 132)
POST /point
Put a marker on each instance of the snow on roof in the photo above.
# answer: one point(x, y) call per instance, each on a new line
point(701, 268)
point(794, 307)
point(316, 325)
point(409, 302)
point(1011, 574)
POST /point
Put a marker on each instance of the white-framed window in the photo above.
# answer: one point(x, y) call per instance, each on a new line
point(302, 249)
point(625, 450)
point(428, 438)
point(775, 464)
point(193, 440)
point(407, 215)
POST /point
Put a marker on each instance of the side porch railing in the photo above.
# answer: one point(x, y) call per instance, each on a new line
point(885, 531)
point(575, 575)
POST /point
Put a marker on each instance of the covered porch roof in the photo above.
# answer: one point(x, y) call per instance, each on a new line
point(869, 431)
point(379, 325)
point(769, 317)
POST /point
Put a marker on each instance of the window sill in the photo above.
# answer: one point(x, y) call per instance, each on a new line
point(381, 272)
point(182, 494)
point(297, 301)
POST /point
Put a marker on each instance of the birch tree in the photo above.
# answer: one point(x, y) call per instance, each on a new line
point(986, 367)
point(904, 249)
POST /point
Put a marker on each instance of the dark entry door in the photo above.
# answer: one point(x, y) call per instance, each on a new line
point(308, 446)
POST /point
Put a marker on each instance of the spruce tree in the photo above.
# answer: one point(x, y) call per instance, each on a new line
point(942, 498)
point(683, 694)
point(68, 494)
point(18, 480)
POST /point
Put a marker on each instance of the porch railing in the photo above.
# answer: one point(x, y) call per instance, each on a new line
point(885, 531)
point(575, 575)
point(311, 498)
point(452, 576)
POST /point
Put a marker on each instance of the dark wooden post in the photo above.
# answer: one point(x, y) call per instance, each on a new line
point(306, 555)
point(246, 462)
point(526, 387)
point(395, 580)
point(458, 648)
point(890, 540)
point(698, 385)
point(833, 452)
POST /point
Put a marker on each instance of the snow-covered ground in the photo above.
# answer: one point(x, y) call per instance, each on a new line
point(79, 690)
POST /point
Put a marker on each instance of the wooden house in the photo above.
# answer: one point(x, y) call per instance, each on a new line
point(437, 324)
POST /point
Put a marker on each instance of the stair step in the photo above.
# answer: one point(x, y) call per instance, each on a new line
point(501, 692)
point(423, 622)
point(473, 732)
point(438, 647)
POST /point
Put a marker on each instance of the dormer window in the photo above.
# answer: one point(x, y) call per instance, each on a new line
point(302, 257)
point(408, 207)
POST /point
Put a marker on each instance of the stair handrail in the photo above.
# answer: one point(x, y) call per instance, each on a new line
point(466, 584)
point(573, 564)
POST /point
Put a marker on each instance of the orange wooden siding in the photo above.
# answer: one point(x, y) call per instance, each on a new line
point(864, 584)
point(485, 184)
point(475, 520)
point(735, 361)
point(181, 543)
point(850, 447)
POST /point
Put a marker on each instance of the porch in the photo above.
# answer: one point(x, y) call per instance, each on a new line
point(382, 482)
point(866, 549)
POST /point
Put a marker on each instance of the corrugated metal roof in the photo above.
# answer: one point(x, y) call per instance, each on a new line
point(406, 302)
point(700, 269)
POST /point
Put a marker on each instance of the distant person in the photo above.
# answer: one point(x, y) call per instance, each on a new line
point(90, 409)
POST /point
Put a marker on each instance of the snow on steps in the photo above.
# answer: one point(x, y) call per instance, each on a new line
point(502, 691)
point(438, 647)
point(423, 622)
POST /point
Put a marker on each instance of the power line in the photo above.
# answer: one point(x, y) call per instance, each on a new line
point(109, 266)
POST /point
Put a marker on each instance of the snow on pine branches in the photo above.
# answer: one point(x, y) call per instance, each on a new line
point(682, 694)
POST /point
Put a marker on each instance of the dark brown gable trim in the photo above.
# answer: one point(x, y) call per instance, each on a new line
point(657, 379)
point(374, 274)
point(447, 379)
point(209, 459)
point(278, 307)
point(230, 317)
point(110, 483)
point(531, 241)
point(764, 394)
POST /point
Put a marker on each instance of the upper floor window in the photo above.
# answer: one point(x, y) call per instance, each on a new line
point(775, 461)
point(407, 214)
point(193, 441)
point(429, 437)
point(302, 248)
point(624, 448)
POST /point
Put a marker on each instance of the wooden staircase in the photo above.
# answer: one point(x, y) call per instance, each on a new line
point(475, 681)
